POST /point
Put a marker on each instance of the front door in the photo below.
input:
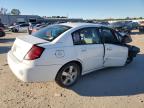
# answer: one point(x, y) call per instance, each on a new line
point(115, 53)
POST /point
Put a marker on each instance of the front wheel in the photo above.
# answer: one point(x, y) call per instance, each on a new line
point(16, 30)
point(68, 75)
point(129, 60)
point(2, 33)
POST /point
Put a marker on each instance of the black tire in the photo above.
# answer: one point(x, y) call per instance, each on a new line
point(16, 30)
point(60, 78)
point(2, 34)
point(129, 60)
point(12, 30)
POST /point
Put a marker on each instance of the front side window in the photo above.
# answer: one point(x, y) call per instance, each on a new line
point(107, 36)
point(86, 36)
point(51, 32)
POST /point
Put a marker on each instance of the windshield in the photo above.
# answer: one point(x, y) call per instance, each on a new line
point(51, 32)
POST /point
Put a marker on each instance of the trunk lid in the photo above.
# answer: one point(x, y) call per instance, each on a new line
point(23, 44)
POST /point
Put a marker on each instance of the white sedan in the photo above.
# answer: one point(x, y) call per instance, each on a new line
point(64, 52)
point(19, 28)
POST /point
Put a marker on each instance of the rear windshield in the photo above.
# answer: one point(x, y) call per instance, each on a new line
point(51, 32)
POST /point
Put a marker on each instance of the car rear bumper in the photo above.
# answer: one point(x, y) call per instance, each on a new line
point(29, 73)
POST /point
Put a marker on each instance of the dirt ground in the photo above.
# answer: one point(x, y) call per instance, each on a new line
point(121, 87)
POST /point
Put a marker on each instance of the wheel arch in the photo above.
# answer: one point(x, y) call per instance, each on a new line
point(73, 61)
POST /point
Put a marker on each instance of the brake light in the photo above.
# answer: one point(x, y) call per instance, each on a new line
point(34, 30)
point(34, 53)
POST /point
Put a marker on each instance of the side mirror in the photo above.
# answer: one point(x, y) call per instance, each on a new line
point(126, 39)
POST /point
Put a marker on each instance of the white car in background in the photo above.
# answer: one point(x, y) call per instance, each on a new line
point(64, 52)
point(19, 27)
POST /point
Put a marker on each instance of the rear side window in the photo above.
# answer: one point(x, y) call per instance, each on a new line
point(51, 32)
point(86, 36)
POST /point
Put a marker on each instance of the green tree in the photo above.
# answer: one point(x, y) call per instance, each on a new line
point(15, 12)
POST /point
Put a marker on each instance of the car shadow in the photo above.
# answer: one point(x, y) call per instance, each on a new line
point(5, 40)
point(128, 80)
point(4, 49)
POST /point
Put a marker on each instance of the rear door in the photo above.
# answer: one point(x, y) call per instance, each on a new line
point(115, 53)
point(89, 48)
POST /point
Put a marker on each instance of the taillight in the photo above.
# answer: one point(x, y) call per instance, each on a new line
point(34, 53)
point(34, 30)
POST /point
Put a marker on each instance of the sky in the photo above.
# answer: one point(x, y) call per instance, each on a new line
point(87, 9)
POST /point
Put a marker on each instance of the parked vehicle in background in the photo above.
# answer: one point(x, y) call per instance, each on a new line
point(19, 27)
point(141, 26)
point(135, 25)
point(2, 32)
point(125, 26)
point(38, 27)
point(105, 23)
point(58, 22)
point(122, 26)
point(64, 52)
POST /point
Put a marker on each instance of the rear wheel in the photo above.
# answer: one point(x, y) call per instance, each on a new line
point(68, 75)
point(14, 30)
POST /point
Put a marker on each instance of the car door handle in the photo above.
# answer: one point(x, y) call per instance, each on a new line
point(109, 49)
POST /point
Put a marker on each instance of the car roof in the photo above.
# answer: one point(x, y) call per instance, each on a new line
point(80, 24)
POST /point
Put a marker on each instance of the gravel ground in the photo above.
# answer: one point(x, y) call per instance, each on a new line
point(109, 88)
